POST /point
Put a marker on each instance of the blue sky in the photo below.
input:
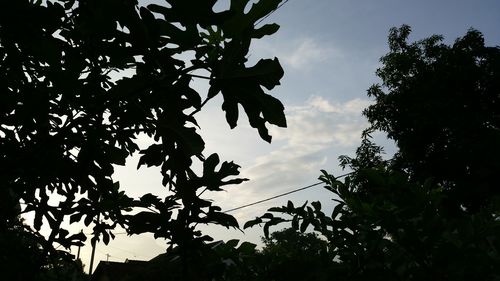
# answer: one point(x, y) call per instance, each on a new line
point(329, 50)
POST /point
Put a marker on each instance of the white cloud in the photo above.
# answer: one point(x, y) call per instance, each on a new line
point(307, 52)
point(321, 122)
point(304, 53)
point(354, 106)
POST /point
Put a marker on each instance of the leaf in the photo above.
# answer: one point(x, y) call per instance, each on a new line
point(234, 181)
point(241, 22)
point(231, 109)
point(242, 85)
point(149, 200)
point(232, 243)
point(266, 230)
point(247, 248)
point(223, 219)
point(304, 225)
point(63, 233)
point(266, 72)
point(184, 38)
point(316, 205)
point(193, 97)
point(337, 210)
point(267, 29)
point(152, 156)
point(273, 110)
point(213, 90)
point(214, 209)
point(37, 224)
point(295, 222)
point(144, 222)
point(277, 209)
point(88, 220)
point(267, 216)
point(210, 163)
point(251, 223)
point(160, 9)
point(105, 237)
point(116, 155)
point(272, 222)
point(310, 212)
point(263, 8)
point(75, 218)
point(206, 238)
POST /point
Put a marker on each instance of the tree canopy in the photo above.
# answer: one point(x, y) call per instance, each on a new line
point(441, 105)
point(82, 80)
point(289, 254)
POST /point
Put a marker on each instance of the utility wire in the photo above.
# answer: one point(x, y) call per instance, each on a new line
point(117, 233)
point(127, 251)
point(111, 256)
point(270, 13)
point(281, 195)
point(274, 197)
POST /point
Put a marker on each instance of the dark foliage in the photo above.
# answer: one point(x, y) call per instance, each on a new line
point(292, 255)
point(441, 104)
point(80, 81)
point(23, 257)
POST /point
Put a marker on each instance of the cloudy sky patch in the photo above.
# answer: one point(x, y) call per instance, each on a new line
point(307, 52)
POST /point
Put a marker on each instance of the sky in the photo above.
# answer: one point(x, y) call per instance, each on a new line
point(329, 50)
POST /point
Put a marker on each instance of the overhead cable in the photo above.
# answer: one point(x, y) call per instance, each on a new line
point(281, 195)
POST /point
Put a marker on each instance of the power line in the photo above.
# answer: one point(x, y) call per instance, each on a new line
point(127, 251)
point(281, 195)
point(274, 197)
point(110, 256)
point(114, 233)
point(270, 13)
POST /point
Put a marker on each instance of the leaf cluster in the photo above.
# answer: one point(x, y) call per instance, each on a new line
point(82, 81)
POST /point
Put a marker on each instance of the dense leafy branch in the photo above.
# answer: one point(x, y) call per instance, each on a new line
point(81, 80)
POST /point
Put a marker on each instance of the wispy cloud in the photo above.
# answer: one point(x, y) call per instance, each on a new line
point(303, 53)
point(317, 132)
point(307, 52)
point(323, 123)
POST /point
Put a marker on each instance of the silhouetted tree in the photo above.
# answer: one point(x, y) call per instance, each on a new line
point(292, 255)
point(441, 105)
point(82, 80)
point(431, 212)
point(23, 257)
